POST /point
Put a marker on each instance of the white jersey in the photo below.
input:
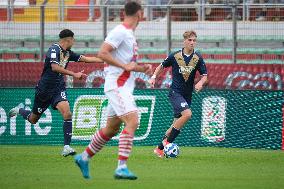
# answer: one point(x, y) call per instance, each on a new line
point(122, 39)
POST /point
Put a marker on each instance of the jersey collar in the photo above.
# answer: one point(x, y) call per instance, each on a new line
point(56, 44)
point(183, 54)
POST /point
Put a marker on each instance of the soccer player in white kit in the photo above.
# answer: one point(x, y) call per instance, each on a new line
point(119, 51)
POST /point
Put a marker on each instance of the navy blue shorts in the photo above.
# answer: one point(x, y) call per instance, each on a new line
point(179, 103)
point(43, 100)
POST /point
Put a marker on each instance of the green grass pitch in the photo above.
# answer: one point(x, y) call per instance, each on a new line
point(42, 167)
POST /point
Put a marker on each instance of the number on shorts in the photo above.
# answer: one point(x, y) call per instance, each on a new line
point(63, 95)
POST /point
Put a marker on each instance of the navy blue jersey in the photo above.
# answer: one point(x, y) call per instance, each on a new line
point(184, 68)
point(51, 81)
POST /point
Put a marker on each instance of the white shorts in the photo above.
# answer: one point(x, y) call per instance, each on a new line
point(120, 102)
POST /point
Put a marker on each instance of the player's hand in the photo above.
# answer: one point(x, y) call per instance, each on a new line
point(79, 75)
point(130, 66)
point(198, 87)
point(152, 82)
point(148, 69)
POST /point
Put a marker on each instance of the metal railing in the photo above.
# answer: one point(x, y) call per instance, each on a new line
point(163, 23)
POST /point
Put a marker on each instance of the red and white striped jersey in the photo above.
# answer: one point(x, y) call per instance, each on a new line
point(122, 39)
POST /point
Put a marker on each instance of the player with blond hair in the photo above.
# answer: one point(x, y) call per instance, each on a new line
point(184, 63)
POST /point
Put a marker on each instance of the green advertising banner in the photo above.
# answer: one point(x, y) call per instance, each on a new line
point(225, 118)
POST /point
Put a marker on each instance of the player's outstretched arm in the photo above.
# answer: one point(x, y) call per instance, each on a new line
point(146, 68)
point(157, 72)
point(90, 59)
point(200, 84)
point(59, 69)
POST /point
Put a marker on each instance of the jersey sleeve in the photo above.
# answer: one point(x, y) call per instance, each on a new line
point(74, 57)
point(168, 61)
point(115, 38)
point(201, 66)
point(54, 55)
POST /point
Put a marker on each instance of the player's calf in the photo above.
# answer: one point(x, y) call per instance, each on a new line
point(66, 115)
point(33, 118)
point(186, 114)
point(174, 133)
point(64, 108)
point(67, 131)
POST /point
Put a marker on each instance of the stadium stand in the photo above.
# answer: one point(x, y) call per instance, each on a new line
point(32, 13)
point(152, 54)
point(264, 46)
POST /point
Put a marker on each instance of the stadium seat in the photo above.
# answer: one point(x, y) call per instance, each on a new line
point(222, 56)
point(207, 56)
point(78, 13)
point(154, 55)
point(248, 56)
point(148, 39)
point(3, 14)
point(6, 56)
point(269, 56)
point(24, 56)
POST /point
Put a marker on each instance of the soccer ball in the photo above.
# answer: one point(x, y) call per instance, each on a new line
point(171, 150)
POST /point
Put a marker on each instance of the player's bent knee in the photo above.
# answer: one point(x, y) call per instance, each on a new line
point(33, 118)
point(187, 114)
point(135, 123)
point(132, 121)
point(33, 121)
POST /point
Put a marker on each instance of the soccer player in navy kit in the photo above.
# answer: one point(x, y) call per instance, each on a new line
point(184, 63)
point(51, 90)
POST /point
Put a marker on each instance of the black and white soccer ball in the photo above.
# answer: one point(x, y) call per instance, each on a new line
point(171, 150)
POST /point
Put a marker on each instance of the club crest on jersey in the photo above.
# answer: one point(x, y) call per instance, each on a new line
point(64, 58)
point(184, 69)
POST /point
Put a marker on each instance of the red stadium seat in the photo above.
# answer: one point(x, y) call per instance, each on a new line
point(222, 56)
point(19, 11)
point(269, 56)
point(281, 12)
point(206, 56)
point(217, 14)
point(24, 56)
point(248, 56)
point(156, 56)
point(254, 12)
point(7, 56)
point(3, 14)
point(81, 14)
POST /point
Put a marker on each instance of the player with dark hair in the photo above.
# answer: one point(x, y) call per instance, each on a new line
point(51, 90)
point(119, 51)
point(184, 63)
